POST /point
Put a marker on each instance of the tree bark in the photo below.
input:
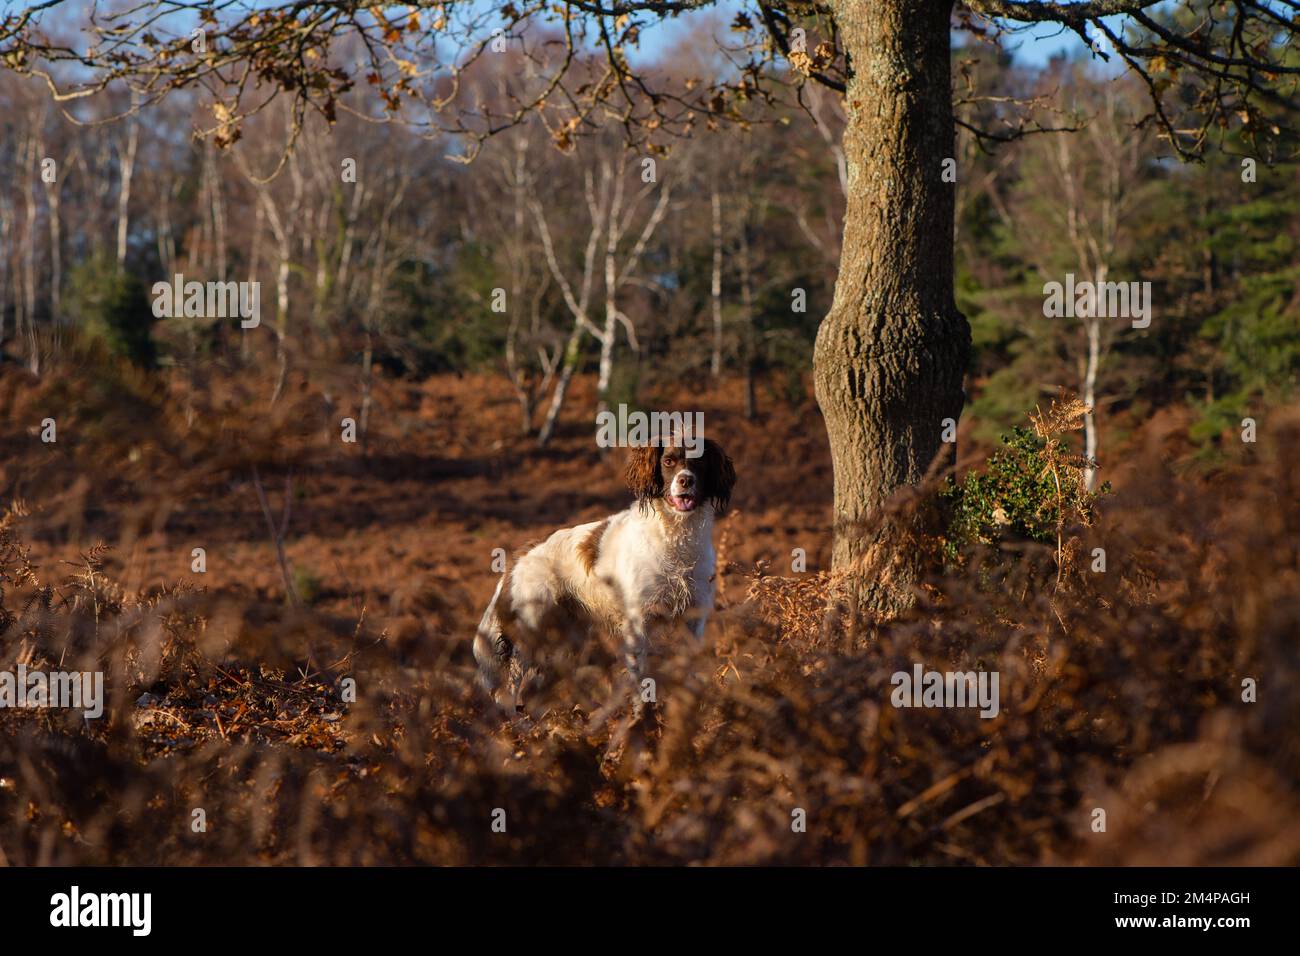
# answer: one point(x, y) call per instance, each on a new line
point(53, 193)
point(747, 316)
point(572, 353)
point(715, 284)
point(609, 335)
point(126, 166)
point(891, 354)
point(1092, 326)
point(35, 147)
point(6, 224)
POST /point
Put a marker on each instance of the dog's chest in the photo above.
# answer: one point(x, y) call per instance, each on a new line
point(670, 590)
point(666, 582)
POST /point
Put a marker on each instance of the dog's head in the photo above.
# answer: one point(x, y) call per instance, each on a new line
point(684, 483)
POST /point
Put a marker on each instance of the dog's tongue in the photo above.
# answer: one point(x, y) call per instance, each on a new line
point(684, 504)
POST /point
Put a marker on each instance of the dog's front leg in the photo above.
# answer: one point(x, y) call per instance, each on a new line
point(702, 596)
point(635, 645)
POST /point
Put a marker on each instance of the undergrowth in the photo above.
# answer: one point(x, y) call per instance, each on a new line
point(312, 737)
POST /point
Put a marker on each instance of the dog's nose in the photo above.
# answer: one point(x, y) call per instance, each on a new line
point(686, 479)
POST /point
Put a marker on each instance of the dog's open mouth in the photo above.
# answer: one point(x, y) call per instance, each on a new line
point(682, 503)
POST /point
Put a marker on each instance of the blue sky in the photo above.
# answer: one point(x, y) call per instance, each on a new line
point(1034, 47)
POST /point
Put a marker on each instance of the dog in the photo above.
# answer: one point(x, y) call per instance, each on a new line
point(646, 569)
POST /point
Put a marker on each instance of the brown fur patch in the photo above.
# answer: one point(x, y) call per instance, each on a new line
point(589, 547)
point(505, 606)
point(642, 474)
point(717, 476)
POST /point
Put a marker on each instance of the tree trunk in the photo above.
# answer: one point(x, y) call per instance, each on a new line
point(1092, 326)
point(605, 370)
point(613, 233)
point(52, 191)
point(166, 238)
point(891, 354)
point(367, 379)
point(747, 318)
point(254, 268)
point(281, 321)
point(715, 285)
point(126, 167)
point(34, 149)
point(5, 225)
point(572, 354)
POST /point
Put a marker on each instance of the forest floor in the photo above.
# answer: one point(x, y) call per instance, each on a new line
point(226, 698)
point(443, 480)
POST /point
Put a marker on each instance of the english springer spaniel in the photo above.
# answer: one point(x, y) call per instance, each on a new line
point(641, 571)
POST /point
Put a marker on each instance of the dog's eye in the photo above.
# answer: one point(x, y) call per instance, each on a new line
point(670, 461)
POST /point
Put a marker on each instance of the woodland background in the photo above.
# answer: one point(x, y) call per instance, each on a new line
point(327, 560)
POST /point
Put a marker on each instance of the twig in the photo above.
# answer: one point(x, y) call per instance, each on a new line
point(974, 808)
point(277, 534)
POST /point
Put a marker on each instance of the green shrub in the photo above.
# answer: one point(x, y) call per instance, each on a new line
point(1031, 490)
point(307, 585)
point(114, 307)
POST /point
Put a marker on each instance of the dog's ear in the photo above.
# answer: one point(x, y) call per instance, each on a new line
point(642, 473)
point(718, 476)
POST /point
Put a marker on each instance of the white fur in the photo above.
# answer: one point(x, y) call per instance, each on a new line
point(655, 567)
